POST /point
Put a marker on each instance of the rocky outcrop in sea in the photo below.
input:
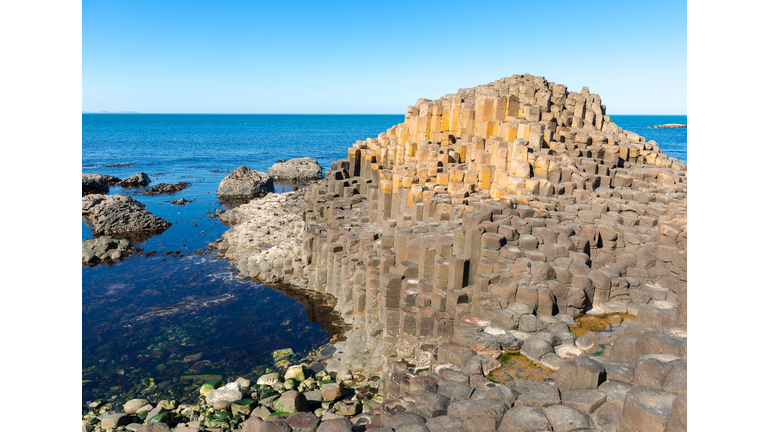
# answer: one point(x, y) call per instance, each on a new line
point(97, 183)
point(119, 214)
point(137, 180)
point(244, 182)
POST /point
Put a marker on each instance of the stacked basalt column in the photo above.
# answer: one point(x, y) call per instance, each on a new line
point(512, 199)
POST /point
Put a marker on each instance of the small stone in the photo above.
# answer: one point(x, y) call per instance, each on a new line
point(295, 372)
point(133, 405)
point(110, 421)
point(332, 391)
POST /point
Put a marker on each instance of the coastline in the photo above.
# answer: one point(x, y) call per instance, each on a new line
point(439, 262)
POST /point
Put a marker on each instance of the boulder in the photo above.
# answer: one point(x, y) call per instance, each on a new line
point(230, 393)
point(245, 183)
point(115, 214)
point(136, 180)
point(291, 402)
point(97, 183)
point(133, 405)
point(296, 170)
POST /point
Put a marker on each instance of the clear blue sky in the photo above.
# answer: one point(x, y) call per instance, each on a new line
point(373, 57)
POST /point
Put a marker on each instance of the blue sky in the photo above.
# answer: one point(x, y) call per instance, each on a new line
point(373, 57)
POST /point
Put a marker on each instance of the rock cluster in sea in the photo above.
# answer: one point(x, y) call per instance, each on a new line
point(97, 183)
point(103, 249)
point(482, 225)
point(116, 214)
point(165, 188)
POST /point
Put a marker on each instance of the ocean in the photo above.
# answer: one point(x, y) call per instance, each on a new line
point(160, 322)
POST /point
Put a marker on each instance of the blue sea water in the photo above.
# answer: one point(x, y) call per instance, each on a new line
point(673, 142)
point(166, 320)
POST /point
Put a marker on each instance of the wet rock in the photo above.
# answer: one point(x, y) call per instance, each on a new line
point(163, 417)
point(297, 170)
point(291, 402)
point(242, 406)
point(295, 372)
point(244, 182)
point(137, 180)
point(268, 379)
point(230, 393)
point(104, 248)
point(115, 214)
point(332, 391)
point(165, 188)
point(97, 183)
point(349, 407)
point(133, 405)
point(109, 421)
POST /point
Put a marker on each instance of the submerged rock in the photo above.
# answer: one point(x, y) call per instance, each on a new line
point(113, 214)
point(103, 249)
point(97, 183)
point(165, 188)
point(245, 183)
point(297, 170)
point(136, 180)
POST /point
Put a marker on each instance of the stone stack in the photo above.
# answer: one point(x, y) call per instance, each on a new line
point(486, 221)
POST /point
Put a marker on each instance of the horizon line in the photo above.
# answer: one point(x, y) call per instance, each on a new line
point(202, 113)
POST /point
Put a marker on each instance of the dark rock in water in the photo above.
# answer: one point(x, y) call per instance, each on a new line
point(113, 214)
point(181, 201)
point(105, 249)
point(667, 126)
point(245, 183)
point(297, 170)
point(97, 183)
point(165, 188)
point(136, 180)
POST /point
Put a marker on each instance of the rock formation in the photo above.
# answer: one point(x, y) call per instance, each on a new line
point(118, 214)
point(245, 183)
point(97, 183)
point(137, 180)
point(486, 221)
point(296, 170)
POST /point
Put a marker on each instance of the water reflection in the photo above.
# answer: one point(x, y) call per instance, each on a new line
point(154, 328)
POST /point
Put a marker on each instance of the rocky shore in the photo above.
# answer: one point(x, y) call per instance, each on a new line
point(490, 224)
